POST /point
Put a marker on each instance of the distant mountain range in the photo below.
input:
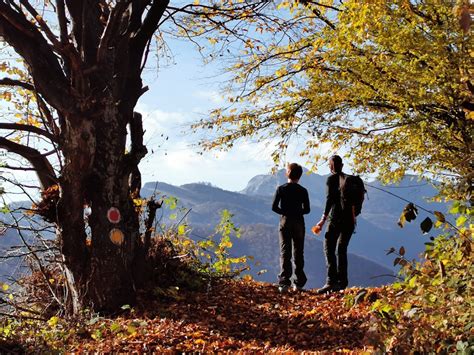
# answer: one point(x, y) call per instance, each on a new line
point(376, 232)
point(10, 268)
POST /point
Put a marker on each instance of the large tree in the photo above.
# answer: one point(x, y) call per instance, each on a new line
point(389, 82)
point(85, 60)
point(73, 94)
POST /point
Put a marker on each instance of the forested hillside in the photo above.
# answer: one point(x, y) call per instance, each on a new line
point(377, 230)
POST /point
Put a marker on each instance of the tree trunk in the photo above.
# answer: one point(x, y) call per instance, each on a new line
point(79, 143)
point(97, 174)
point(91, 75)
point(111, 280)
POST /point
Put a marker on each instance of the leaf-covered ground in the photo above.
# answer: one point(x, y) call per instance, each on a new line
point(232, 315)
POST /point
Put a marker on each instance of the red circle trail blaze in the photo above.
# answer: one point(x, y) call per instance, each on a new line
point(113, 215)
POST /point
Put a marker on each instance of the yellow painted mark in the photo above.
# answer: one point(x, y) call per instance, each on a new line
point(116, 236)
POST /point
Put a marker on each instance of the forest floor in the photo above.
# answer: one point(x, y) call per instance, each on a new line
point(233, 315)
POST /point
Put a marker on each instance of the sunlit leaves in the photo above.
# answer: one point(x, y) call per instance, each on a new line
point(19, 103)
point(222, 319)
point(218, 250)
point(181, 229)
point(438, 291)
point(381, 79)
point(461, 220)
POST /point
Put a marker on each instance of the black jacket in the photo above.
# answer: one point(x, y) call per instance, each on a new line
point(291, 200)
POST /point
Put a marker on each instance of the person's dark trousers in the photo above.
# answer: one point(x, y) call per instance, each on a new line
point(337, 237)
point(292, 231)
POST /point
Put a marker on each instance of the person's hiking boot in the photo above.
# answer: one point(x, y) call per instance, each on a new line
point(340, 287)
point(283, 288)
point(297, 288)
point(327, 289)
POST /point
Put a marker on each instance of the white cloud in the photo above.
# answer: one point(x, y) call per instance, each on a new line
point(180, 164)
point(210, 96)
point(177, 161)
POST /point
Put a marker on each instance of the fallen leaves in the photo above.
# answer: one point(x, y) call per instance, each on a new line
point(235, 315)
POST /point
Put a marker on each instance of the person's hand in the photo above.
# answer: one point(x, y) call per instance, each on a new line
point(316, 229)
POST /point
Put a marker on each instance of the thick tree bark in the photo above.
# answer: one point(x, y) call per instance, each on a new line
point(111, 281)
point(97, 174)
point(79, 142)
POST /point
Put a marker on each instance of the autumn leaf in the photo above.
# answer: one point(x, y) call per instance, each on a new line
point(426, 225)
point(439, 216)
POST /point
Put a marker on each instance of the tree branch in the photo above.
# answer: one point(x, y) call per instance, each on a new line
point(61, 11)
point(92, 28)
point(137, 152)
point(112, 27)
point(46, 114)
point(27, 128)
point(306, 2)
point(16, 168)
point(30, 44)
point(138, 7)
point(43, 108)
point(44, 26)
point(43, 168)
point(149, 26)
point(14, 82)
point(152, 207)
point(75, 11)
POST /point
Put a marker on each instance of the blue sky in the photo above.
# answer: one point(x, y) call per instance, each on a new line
point(179, 94)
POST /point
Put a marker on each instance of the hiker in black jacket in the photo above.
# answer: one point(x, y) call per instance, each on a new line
point(291, 201)
point(339, 231)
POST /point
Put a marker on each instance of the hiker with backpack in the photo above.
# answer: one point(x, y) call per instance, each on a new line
point(345, 194)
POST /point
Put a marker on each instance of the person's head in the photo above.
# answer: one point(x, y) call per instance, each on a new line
point(294, 172)
point(335, 164)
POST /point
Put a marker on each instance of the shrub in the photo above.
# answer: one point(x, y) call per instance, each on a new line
point(431, 308)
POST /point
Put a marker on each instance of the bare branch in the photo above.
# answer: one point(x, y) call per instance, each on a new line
point(92, 28)
point(38, 261)
point(137, 152)
point(14, 82)
point(46, 115)
point(113, 26)
point(27, 128)
point(152, 207)
point(61, 11)
point(149, 26)
point(30, 44)
point(44, 26)
point(16, 168)
point(75, 11)
point(42, 166)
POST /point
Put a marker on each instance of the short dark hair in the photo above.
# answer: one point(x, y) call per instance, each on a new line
point(337, 163)
point(295, 171)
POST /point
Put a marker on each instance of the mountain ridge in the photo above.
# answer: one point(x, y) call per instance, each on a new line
point(377, 225)
point(376, 231)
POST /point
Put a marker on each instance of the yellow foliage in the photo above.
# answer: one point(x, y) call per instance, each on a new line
point(384, 80)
